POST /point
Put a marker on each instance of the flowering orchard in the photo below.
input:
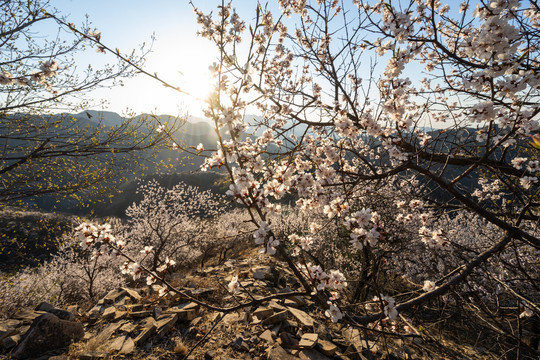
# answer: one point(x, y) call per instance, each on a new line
point(399, 214)
point(170, 222)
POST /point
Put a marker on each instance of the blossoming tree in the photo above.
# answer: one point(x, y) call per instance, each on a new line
point(342, 133)
point(408, 126)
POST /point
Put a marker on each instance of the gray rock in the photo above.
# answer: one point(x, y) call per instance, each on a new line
point(116, 344)
point(326, 347)
point(128, 347)
point(290, 303)
point(229, 319)
point(267, 336)
point(157, 311)
point(274, 304)
point(299, 300)
point(95, 311)
point(6, 332)
point(145, 334)
point(63, 314)
point(9, 324)
point(10, 341)
point(287, 340)
point(120, 315)
point(185, 312)
point(128, 327)
point(140, 314)
point(263, 312)
point(276, 318)
point(122, 345)
point(113, 296)
point(240, 344)
point(278, 353)
point(109, 331)
point(149, 321)
point(45, 306)
point(164, 325)
point(47, 333)
point(133, 307)
point(310, 354)
point(21, 330)
point(263, 273)
point(362, 346)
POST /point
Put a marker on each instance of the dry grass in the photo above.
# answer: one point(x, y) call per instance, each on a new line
point(180, 348)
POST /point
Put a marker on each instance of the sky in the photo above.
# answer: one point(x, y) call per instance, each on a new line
point(178, 54)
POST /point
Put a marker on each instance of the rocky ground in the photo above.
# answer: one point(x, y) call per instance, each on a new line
point(136, 324)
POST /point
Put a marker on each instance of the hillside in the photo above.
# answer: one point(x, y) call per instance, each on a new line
point(135, 323)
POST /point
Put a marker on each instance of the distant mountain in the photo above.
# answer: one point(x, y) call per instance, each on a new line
point(107, 118)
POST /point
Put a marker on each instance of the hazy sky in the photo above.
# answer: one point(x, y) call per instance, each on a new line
point(178, 54)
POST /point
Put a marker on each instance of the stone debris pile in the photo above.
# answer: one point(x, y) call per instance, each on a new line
point(135, 323)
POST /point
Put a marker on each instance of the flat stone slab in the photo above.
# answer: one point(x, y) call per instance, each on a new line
point(28, 315)
point(9, 323)
point(139, 314)
point(263, 312)
point(7, 332)
point(116, 344)
point(309, 340)
point(262, 273)
point(267, 336)
point(310, 354)
point(185, 312)
point(108, 331)
point(278, 353)
point(302, 317)
point(133, 294)
point(120, 315)
point(276, 318)
point(326, 347)
point(10, 341)
point(128, 347)
point(133, 307)
point(145, 334)
point(122, 345)
point(112, 297)
point(128, 327)
point(109, 312)
point(165, 325)
point(287, 340)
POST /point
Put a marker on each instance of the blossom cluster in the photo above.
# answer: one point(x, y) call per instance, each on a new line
point(47, 70)
point(101, 241)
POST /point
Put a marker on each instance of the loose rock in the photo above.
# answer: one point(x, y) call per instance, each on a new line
point(47, 333)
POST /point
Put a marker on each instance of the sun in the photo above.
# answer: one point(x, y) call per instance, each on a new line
point(188, 68)
point(197, 87)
